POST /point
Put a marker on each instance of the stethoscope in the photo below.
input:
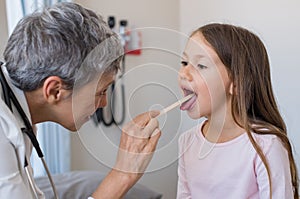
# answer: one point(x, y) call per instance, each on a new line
point(9, 98)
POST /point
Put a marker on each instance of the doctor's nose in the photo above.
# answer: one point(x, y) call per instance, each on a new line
point(102, 102)
point(185, 72)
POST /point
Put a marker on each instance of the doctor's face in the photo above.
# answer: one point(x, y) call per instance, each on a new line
point(88, 98)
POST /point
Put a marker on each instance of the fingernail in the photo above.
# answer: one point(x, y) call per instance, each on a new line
point(153, 114)
point(155, 132)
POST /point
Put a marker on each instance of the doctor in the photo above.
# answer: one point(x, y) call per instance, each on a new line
point(58, 64)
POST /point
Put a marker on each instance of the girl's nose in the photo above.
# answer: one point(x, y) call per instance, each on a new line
point(185, 72)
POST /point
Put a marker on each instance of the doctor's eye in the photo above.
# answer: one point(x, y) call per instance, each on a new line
point(101, 93)
point(184, 63)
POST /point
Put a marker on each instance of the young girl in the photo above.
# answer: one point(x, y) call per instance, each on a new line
point(241, 149)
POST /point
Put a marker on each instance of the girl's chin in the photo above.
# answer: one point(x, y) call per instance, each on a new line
point(194, 114)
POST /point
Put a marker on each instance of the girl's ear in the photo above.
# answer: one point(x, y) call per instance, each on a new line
point(232, 89)
point(53, 89)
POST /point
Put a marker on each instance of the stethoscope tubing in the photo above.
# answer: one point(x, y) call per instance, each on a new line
point(30, 180)
point(50, 178)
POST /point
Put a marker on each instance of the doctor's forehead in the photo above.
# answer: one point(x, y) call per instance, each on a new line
point(99, 81)
point(106, 79)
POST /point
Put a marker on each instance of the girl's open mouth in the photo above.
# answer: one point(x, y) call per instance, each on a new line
point(188, 104)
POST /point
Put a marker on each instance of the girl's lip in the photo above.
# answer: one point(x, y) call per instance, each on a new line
point(187, 91)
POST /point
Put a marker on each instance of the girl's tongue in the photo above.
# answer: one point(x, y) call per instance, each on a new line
point(188, 104)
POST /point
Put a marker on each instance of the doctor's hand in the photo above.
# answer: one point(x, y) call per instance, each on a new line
point(138, 142)
point(137, 145)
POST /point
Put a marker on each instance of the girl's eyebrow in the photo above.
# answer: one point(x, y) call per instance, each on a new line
point(184, 55)
point(197, 56)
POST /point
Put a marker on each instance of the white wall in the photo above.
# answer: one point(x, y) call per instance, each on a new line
point(278, 24)
point(150, 79)
point(3, 28)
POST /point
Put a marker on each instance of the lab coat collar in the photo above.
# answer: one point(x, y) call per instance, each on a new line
point(18, 93)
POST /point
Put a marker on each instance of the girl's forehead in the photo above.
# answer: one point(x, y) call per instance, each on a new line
point(197, 45)
point(198, 48)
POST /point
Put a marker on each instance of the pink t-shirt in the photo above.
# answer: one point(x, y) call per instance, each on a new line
point(231, 170)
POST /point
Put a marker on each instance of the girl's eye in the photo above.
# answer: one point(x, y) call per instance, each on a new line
point(184, 63)
point(201, 66)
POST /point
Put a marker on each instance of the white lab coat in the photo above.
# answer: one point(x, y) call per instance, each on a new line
point(13, 147)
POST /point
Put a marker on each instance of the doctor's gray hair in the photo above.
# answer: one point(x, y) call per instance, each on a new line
point(65, 40)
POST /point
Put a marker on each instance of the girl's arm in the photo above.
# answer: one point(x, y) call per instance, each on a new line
point(278, 161)
point(183, 191)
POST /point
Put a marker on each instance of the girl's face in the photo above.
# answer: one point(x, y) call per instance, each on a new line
point(203, 74)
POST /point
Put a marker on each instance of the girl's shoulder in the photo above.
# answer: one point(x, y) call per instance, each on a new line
point(189, 135)
point(268, 141)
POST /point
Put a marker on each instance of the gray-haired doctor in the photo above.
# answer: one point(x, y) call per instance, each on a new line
point(57, 66)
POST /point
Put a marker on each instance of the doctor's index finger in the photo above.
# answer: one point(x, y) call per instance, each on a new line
point(154, 113)
point(143, 119)
point(150, 128)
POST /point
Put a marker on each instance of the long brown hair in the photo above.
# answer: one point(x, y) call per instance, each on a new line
point(253, 107)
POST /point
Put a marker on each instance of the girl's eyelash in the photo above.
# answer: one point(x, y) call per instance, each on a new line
point(184, 63)
point(201, 66)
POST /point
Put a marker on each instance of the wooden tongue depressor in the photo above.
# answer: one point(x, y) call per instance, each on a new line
point(178, 103)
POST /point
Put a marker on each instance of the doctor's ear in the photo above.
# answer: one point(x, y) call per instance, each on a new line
point(53, 90)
